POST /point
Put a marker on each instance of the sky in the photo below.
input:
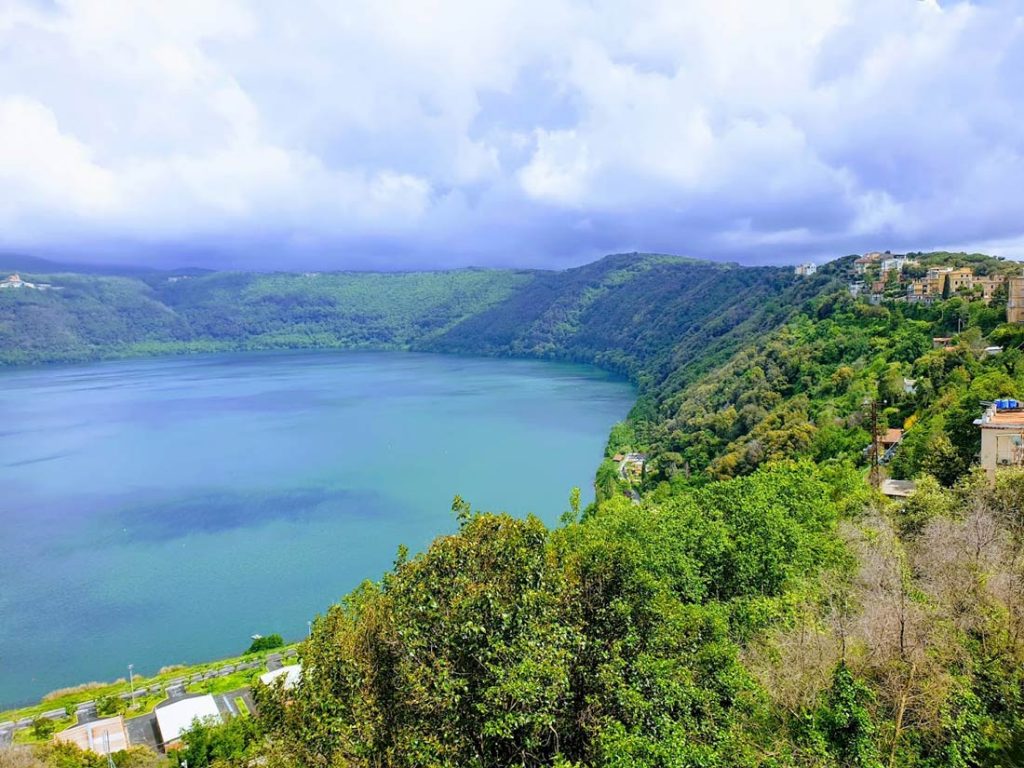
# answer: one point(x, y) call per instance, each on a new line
point(399, 134)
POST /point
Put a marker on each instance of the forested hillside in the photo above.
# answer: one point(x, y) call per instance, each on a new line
point(746, 599)
point(634, 314)
point(802, 389)
point(90, 316)
point(648, 318)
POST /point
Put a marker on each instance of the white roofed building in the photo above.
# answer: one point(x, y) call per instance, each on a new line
point(175, 718)
point(292, 674)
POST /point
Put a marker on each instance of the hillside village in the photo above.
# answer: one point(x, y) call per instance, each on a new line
point(927, 279)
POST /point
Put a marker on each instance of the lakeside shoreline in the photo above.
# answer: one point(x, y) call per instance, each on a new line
point(69, 701)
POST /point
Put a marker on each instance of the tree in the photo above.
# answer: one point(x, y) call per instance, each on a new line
point(108, 705)
point(206, 743)
point(266, 643)
point(43, 728)
point(846, 721)
point(941, 460)
point(572, 514)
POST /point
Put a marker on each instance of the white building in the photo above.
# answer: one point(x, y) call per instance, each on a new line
point(177, 717)
point(805, 269)
point(292, 674)
point(895, 263)
point(15, 281)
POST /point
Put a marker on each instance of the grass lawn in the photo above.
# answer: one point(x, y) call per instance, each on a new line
point(231, 682)
point(29, 735)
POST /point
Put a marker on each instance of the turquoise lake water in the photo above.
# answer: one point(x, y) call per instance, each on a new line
point(162, 511)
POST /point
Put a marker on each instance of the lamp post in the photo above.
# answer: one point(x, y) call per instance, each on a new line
point(309, 628)
point(131, 683)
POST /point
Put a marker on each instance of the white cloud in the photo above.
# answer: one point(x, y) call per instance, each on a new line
point(47, 168)
point(463, 131)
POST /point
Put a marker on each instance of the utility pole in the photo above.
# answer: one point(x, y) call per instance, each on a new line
point(875, 475)
point(131, 683)
point(106, 747)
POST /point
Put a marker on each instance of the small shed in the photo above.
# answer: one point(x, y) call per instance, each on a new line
point(898, 489)
point(891, 437)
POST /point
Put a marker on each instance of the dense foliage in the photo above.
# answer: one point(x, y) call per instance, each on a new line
point(613, 640)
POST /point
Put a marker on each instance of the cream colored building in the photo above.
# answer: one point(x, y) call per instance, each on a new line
point(1015, 300)
point(1002, 439)
point(988, 285)
point(100, 736)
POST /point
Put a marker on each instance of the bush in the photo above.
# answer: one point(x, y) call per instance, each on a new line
point(266, 643)
point(43, 728)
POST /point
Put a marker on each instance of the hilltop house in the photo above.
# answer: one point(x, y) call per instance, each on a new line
point(15, 281)
point(1002, 436)
point(805, 270)
point(862, 263)
point(895, 263)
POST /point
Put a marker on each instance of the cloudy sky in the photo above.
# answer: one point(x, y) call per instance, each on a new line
point(395, 133)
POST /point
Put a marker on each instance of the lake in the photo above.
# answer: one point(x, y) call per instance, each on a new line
point(161, 511)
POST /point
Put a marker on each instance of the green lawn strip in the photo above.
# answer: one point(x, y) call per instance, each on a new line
point(93, 691)
point(232, 682)
point(44, 734)
point(241, 706)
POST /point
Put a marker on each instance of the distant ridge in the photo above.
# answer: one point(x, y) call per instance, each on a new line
point(19, 262)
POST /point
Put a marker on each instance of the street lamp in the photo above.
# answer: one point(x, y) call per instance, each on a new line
point(131, 682)
point(309, 625)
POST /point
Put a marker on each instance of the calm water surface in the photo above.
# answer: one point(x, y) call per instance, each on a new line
point(161, 511)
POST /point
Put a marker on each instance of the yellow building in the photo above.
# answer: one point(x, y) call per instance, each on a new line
point(1015, 300)
point(103, 737)
point(960, 279)
point(988, 285)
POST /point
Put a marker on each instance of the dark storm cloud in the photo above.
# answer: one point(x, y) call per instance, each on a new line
point(400, 135)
